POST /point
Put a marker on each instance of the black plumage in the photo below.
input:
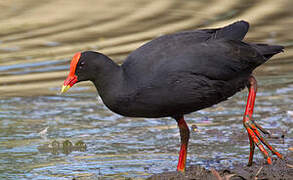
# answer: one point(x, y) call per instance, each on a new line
point(178, 73)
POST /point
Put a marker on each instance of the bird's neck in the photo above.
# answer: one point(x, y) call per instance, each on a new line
point(109, 81)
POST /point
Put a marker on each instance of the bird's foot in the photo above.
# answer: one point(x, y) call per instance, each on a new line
point(256, 138)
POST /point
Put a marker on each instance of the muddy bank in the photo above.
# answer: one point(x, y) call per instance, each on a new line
point(280, 169)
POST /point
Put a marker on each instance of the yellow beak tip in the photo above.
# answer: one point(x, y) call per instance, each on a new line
point(64, 88)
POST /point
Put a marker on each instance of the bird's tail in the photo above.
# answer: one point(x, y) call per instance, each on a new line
point(235, 31)
point(268, 50)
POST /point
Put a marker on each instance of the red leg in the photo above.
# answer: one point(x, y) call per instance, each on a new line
point(184, 135)
point(255, 138)
point(252, 146)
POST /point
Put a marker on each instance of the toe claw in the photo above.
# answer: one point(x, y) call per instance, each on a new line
point(269, 160)
point(279, 155)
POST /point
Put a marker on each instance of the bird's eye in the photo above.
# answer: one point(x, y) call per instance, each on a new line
point(81, 65)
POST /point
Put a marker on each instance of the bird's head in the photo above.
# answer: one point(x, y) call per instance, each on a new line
point(83, 67)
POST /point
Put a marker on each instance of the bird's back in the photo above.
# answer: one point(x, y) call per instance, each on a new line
point(164, 47)
point(188, 71)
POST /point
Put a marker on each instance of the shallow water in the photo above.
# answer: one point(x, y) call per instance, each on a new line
point(34, 58)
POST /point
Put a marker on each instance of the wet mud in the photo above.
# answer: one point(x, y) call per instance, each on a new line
point(280, 169)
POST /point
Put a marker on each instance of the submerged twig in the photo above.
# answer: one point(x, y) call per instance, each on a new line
point(227, 177)
point(258, 172)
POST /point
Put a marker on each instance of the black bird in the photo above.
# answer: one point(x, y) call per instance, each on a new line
point(177, 74)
